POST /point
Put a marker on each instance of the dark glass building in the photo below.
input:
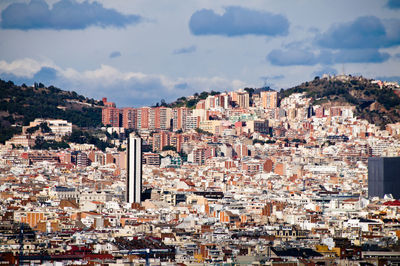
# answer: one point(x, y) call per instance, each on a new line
point(384, 176)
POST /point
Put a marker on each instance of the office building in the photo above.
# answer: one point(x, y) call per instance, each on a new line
point(383, 176)
point(134, 178)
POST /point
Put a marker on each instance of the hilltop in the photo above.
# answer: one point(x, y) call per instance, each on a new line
point(374, 101)
point(21, 104)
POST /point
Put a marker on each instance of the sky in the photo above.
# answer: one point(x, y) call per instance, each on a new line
point(138, 52)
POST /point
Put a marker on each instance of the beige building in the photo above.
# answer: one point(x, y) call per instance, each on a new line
point(58, 126)
point(211, 126)
point(269, 99)
point(22, 140)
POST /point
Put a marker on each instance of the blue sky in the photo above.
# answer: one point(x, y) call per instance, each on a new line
point(141, 51)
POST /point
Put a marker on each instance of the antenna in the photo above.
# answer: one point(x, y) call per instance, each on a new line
point(265, 82)
point(343, 72)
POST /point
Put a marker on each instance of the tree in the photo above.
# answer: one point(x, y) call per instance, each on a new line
point(258, 141)
point(250, 91)
point(163, 103)
point(45, 128)
point(169, 148)
point(31, 130)
point(200, 131)
point(191, 103)
point(203, 95)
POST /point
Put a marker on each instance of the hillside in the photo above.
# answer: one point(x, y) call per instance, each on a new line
point(21, 104)
point(379, 106)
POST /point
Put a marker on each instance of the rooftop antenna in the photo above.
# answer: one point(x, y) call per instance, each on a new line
point(265, 82)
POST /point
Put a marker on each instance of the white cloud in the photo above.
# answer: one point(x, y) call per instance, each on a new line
point(25, 67)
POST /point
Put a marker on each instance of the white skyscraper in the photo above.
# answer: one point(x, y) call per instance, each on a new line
point(134, 179)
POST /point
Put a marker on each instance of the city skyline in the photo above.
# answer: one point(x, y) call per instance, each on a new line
point(244, 177)
point(137, 54)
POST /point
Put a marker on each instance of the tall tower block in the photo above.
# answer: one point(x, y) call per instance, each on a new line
point(134, 178)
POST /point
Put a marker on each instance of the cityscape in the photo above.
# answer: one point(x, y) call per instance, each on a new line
point(117, 166)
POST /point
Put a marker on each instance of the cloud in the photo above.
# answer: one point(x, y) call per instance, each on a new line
point(393, 4)
point(181, 86)
point(65, 14)
point(306, 57)
point(276, 77)
point(46, 73)
point(125, 88)
point(360, 56)
point(280, 57)
point(237, 21)
point(115, 54)
point(25, 67)
point(185, 50)
point(363, 33)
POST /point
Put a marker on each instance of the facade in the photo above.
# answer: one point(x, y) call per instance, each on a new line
point(383, 176)
point(129, 118)
point(111, 116)
point(24, 141)
point(143, 115)
point(269, 99)
point(58, 126)
point(134, 178)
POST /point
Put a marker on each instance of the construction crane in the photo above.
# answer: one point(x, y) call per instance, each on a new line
point(147, 252)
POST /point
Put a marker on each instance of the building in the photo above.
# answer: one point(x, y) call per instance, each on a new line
point(179, 116)
point(243, 100)
point(150, 158)
point(269, 99)
point(23, 141)
point(58, 126)
point(110, 116)
point(192, 122)
point(107, 103)
point(383, 176)
point(143, 116)
point(134, 178)
point(82, 159)
point(260, 126)
point(129, 118)
point(160, 140)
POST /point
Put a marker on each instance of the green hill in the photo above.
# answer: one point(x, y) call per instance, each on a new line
point(21, 104)
point(379, 106)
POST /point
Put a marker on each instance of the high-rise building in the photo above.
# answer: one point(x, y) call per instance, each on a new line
point(129, 118)
point(134, 178)
point(179, 117)
point(111, 116)
point(383, 176)
point(160, 118)
point(143, 116)
point(269, 99)
point(160, 140)
point(244, 100)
